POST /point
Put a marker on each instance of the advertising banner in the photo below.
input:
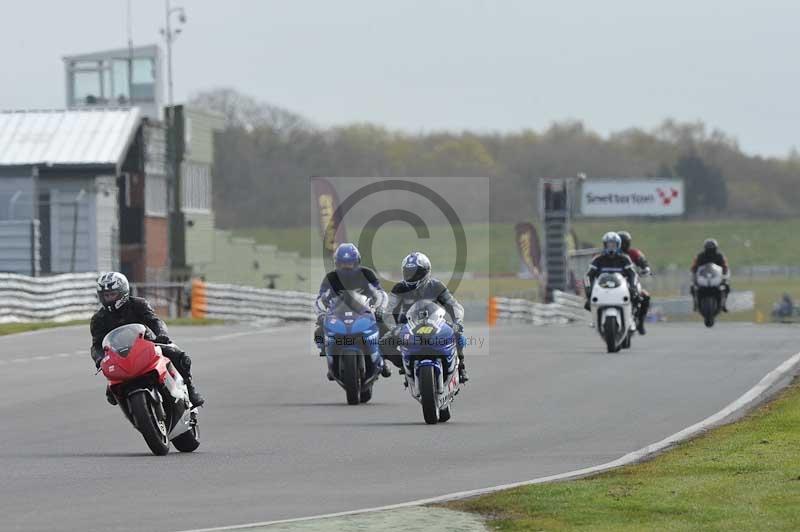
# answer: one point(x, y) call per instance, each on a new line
point(331, 228)
point(632, 197)
point(528, 247)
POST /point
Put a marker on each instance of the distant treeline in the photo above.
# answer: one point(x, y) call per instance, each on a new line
point(266, 154)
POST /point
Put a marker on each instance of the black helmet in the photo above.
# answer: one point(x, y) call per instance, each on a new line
point(113, 290)
point(416, 269)
point(710, 245)
point(626, 240)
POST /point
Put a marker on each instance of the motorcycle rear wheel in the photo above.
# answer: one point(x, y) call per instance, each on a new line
point(366, 395)
point(153, 430)
point(188, 441)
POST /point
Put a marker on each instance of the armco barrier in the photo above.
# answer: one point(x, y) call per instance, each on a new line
point(57, 298)
point(565, 308)
point(233, 302)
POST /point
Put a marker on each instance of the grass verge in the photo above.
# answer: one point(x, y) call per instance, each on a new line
point(743, 476)
point(13, 328)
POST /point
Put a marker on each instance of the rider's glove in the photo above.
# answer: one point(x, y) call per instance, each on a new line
point(163, 339)
point(458, 327)
point(646, 271)
point(378, 313)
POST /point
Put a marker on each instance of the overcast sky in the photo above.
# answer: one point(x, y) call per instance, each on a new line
point(489, 65)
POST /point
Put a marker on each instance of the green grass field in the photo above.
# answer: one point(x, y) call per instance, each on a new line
point(744, 476)
point(745, 242)
point(493, 248)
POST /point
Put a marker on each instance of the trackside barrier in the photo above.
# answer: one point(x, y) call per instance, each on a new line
point(233, 302)
point(565, 308)
point(568, 308)
point(56, 298)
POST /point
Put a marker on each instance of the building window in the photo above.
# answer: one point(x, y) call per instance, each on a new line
point(155, 191)
point(196, 187)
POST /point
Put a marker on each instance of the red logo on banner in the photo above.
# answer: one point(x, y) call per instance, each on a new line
point(667, 195)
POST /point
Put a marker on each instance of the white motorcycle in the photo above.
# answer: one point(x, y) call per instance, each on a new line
point(709, 287)
point(612, 309)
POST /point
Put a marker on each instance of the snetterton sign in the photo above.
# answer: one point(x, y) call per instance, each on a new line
point(632, 197)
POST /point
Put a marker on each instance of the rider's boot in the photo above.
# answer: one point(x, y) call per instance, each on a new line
point(462, 373)
point(643, 309)
point(194, 396)
point(184, 367)
point(386, 371)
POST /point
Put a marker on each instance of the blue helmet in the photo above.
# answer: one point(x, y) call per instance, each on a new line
point(612, 244)
point(346, 257)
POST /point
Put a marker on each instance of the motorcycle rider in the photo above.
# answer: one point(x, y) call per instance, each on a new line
point(417, 284)
point(712, 255)
point(611, 259)
point(640, 261)
point(119, 308)
point(350, 275)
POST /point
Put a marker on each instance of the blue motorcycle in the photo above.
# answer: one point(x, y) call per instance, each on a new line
point(428, 347)
point(351, 346)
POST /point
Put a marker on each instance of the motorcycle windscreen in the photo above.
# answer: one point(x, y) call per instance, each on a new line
point(610, 280)
point(425, 312)
point(122, 339)
point(709, 275)
point(350, 303)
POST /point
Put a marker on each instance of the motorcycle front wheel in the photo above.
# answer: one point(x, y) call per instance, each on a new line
point(153, 430)
point(427, 390)
point(350, 377)
point(708, 308)
point(610, 329)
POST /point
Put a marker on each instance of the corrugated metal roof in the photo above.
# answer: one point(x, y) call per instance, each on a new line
point(66, 137)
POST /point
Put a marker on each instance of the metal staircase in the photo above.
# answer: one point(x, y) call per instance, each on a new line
point(556, 226)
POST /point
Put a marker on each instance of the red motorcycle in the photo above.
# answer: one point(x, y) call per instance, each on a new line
point(149, 390)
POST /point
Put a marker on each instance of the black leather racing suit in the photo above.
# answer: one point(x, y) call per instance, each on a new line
point(361, 280)
point(640, 261)
point(137, 310)
point(402, 296)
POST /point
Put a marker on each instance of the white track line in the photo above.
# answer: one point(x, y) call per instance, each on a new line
point(750, 398)
point(231, 336)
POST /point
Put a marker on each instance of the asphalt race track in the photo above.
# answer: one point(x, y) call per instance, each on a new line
point(279, 440)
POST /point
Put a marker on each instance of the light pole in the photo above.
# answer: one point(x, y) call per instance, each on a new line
point(170, 34)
